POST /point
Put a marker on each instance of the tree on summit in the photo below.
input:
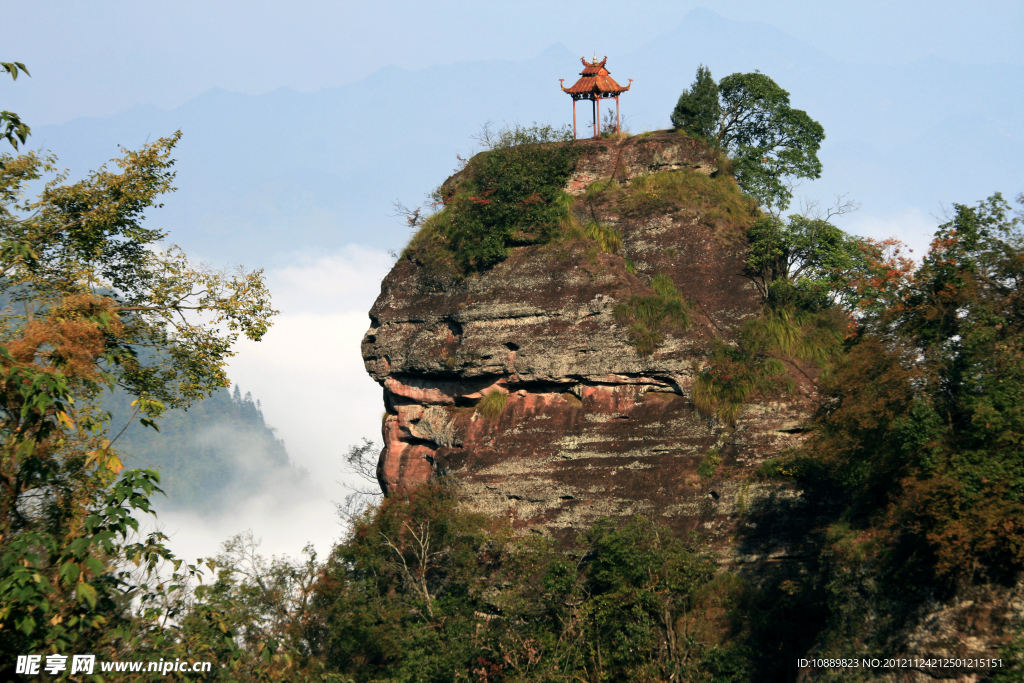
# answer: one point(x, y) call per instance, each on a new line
point(698, 109)
point(750, 117)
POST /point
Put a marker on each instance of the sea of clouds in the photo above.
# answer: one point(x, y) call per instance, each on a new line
point(308, 374)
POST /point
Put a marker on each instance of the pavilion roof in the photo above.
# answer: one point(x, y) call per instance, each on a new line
point(595, 81)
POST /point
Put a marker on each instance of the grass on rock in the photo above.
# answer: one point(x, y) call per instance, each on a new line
point(649, 317)
point(492, 404)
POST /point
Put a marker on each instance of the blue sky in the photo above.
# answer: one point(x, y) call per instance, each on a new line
point(97, 58)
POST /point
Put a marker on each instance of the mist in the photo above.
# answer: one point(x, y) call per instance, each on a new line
point(308, 376)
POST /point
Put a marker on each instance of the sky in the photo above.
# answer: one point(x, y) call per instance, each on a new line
point(96, 66)
point(97, 58)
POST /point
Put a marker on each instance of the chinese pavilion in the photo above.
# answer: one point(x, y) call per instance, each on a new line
point(595, 84)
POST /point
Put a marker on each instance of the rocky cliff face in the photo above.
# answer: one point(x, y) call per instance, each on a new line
point(589, 428)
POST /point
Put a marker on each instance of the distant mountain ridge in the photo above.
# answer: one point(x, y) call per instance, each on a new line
point(288, 170)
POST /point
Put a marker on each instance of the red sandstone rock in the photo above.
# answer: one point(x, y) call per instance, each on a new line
point(590, 428)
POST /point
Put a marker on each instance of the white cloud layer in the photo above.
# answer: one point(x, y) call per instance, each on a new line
point(308, 374)
point(284, 520)
point(346, 281)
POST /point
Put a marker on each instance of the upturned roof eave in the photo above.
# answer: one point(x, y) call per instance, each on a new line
point(581, 88)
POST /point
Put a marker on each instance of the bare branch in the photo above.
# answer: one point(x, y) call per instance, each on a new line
point(360, 460)
point(422, 555)
point(413, 217)
point(486, 138)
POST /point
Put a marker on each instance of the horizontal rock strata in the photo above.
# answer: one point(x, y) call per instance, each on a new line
point(589, 427)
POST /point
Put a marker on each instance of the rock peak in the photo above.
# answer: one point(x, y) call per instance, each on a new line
point(588, 426)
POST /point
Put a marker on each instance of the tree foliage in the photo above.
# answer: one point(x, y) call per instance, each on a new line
point(266, 601)
point(12, 128)
point(805, 258)
point(921, 429)
point(807, 263)
point(425, 591)
point(698, 109)
point(86, 243)
point(920, 424)
point(89, 302)
point(947, 351)
point(769, 141)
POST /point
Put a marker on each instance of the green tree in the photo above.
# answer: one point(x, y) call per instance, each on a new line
point(89, 302)
point(805, 260)
point(424, 590)
point(770, 143)
point(921, 430)
point(698, 109)
point(768, 140)
point(800, 256)
point(266, 606)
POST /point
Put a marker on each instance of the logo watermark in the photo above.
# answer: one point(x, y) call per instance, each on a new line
point(32, 665)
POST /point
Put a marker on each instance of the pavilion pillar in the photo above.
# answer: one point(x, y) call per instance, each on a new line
point(573, 118)
point(598, 135)
point(618, 121)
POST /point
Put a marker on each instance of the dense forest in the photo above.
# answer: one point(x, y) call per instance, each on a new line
point(916, 444)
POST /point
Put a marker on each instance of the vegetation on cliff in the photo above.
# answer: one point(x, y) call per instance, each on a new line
point(511, 194)
point(647, 317)
point(492, 403)
point(424, 591)
point(730, 376)
point(765, 357)
point(816, 283)
point(716, 201)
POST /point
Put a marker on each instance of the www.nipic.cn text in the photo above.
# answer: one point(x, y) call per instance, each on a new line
point(55, 665)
